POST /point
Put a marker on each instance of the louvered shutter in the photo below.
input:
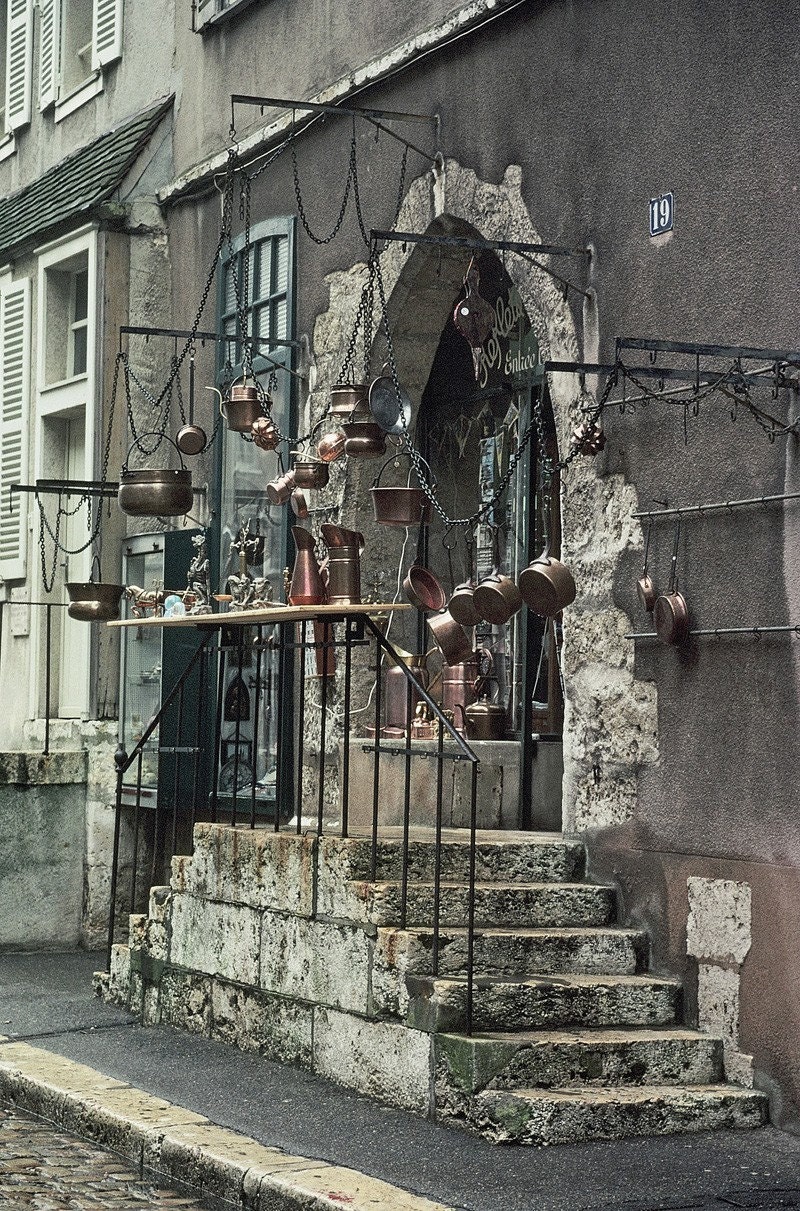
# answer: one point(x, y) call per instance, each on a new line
point(48, 51)
point(14, 389)
point(19, 63)
point(106, 32)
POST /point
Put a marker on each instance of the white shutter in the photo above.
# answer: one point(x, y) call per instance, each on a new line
point(19, 65)
point(49, 42)
point(14, 403)
point(106, 32)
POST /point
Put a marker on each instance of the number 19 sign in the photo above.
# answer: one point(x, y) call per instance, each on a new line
point(662, 210)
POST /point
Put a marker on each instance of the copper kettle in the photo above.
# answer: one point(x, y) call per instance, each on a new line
point(485, 719)
point(307, 587)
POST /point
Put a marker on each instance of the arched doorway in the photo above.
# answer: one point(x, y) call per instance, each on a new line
point(469, 429)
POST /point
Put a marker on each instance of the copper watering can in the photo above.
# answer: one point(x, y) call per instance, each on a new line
point(243, 406)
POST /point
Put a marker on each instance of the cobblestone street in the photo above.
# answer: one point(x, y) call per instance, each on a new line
point(43, 1169)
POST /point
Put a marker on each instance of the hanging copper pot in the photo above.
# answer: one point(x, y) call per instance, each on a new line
point(93, 601)
point(671, 610)
point(243, 406)
point(331, 445)
point(348, 398)
point(155, 493)
point(264, 433)
point(423, 589)
point(310, 473)
point(399, 506)
point(279, 490)
point(547, 585)
point(364, 439)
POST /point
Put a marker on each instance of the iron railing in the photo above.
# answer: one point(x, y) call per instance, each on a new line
point(281, 649)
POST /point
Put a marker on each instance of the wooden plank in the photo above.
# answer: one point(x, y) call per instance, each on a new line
point(275, 613)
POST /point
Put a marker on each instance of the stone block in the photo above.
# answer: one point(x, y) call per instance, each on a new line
point(217, 939)
point(316, 961)
point(185, 1001)
point(718, 1014)
point(719, 923)
point(255, 867)
point(120, 975)
point(380, 1059)
point(273, 1026)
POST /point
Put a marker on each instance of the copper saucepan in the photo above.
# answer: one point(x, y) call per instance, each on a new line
point(671, 612)
point(496, 598)
point(450, 637)
point(423, 589)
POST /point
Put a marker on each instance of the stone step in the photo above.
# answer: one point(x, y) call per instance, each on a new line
point(543, 1003)
point(504, 857)
point(517, 953)
point(534, 905)
point(570, 1116)
point(577, 1057)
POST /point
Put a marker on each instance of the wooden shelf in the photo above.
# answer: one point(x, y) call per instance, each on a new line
point(275, 613)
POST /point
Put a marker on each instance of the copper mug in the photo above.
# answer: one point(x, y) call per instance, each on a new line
point(279, 490)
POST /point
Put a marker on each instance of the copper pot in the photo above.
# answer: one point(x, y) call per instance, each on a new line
point(450, 637)
point(155, 493)
point(310, 473)
point(331, 445)
point(547, 585)
point(347, 398)
point(399, 506)
point(279, 490)
point(671, 611)
point(191, 439)
point(264, 433)
point(496, 598)
point(93, 601)
point(423, 589)
point(364, 439)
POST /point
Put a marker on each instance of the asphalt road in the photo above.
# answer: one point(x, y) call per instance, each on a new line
point(46, 999)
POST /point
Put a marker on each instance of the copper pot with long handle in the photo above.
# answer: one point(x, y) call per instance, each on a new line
point(671, 611)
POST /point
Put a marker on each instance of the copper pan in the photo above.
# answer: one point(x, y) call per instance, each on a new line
point(423, 589)
point(671, 611)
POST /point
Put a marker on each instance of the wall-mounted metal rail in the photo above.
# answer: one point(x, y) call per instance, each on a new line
point(376, 117)
point(76, 487)
point(694, 349)
point(717, 632)
point(717, 506)
point(688, 375)
point(476, 245)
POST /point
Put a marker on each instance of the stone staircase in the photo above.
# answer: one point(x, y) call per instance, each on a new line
point(572, 1038)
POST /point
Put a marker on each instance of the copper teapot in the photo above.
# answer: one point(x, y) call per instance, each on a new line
point(485, 719)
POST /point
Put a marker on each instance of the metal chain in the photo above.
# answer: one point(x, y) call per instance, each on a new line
point(300, 207)
point(357, 193)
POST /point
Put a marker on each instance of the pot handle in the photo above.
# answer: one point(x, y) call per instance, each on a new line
point(393, 459)
point(155, 433)
point(673, 582)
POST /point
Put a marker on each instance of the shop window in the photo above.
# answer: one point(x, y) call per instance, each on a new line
point(66, 338)
point(77, 39)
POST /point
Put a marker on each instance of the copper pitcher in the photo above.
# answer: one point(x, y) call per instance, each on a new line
point(343, 564)
point(307, 587)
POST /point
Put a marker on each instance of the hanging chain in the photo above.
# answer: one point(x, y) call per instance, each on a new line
point(301, 208)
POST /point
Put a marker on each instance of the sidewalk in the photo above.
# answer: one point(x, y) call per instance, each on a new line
point(341, 1147)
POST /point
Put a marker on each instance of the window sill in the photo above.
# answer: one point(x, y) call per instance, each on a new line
point(220, 18)
point(79, 96)
point(64, 382)
point(8, 145)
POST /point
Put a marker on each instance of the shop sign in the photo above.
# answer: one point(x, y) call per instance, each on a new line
point(512, 350)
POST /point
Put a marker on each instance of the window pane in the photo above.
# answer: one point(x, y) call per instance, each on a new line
point(230, 290)
point(79, 346)
point(279, 318)
point(281, 264)
point(81, 307)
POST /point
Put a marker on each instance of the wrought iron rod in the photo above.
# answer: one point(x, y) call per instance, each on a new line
point(136, 826)
point(317, 107)
point(717, 506)
point(279, 726)
point(476, 245)
point(473, 826)
point(144, 330)
point(301, 718)
point(437, 852)
point(757, 630)
point(217, 733)
point(323, 727)
point(656, 372)
point(47, 674)
point(201, 698)
point(254, 754)
point(119, 762)
point(348, 661)
point(176, 780)
point(406, 810)
point(736, 352)
point(376, 765)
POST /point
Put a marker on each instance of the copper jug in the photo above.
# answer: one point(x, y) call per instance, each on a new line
point(396, 688)
point(307, 587)
point(343, 565)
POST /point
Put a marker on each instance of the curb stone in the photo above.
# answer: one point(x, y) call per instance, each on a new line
point(176, 1143)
